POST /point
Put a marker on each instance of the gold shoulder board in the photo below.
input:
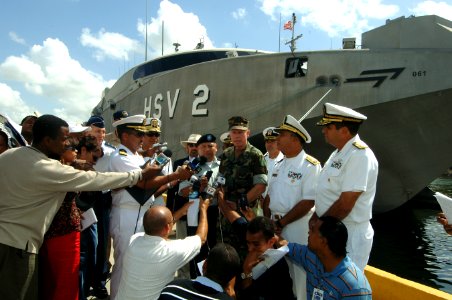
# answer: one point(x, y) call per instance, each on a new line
point(312, 160)
point(122, 152)
point(359, 145)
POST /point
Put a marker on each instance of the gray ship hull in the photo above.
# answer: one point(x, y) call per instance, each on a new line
point(406, 94)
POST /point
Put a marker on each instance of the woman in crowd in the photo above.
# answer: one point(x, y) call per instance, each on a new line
point(60, 252)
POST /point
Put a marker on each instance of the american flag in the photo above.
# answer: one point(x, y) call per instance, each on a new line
point(288, 25)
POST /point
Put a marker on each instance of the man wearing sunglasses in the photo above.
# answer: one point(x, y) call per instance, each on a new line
point(151, 149)
point(130, 204)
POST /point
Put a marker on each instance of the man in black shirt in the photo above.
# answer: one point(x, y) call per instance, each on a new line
point(259, 234)
point(219, 269)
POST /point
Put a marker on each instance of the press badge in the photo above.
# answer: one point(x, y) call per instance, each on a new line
point(317, 294)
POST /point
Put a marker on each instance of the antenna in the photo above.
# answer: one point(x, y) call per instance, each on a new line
point(146, 34)
point(314, 106)
point(292, 42)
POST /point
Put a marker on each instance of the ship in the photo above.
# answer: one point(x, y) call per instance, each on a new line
point(400, 77)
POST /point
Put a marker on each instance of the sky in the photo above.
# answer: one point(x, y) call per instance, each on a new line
point(57, 56)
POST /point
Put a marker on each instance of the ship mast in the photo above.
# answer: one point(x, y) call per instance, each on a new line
point(292, 41)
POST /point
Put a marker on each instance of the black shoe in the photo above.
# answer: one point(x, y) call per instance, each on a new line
point(100, 293)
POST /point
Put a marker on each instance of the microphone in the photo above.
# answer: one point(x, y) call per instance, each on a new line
point(197, 163)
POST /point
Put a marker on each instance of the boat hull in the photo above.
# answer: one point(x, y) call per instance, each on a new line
point(404, 92)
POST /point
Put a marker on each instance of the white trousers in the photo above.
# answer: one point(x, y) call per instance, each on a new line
point(359, 243)
point(122, 226)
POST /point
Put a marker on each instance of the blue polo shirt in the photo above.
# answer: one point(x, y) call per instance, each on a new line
point(345, 281)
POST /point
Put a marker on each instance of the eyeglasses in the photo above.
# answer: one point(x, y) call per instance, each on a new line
point(151, 134)
point(191, 145)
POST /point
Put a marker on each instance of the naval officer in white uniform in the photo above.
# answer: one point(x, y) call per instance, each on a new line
point(347, 183)
point(130, 204)
point(292, 190)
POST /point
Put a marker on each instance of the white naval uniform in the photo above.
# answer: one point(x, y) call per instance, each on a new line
point(270, 165)
point(353, 169)
point(103, 163)
point(293, 180)
point(125, 212)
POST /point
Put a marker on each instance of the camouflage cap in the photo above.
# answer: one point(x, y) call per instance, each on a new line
point(239, 123)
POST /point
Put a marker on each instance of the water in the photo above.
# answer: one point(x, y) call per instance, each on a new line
point(410, 243)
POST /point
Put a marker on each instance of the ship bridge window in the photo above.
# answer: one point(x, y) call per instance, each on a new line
point(296, 67)
point(181, 60)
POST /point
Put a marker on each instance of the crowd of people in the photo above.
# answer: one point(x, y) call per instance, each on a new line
point(248, 225)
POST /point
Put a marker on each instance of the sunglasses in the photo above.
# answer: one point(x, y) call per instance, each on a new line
point(151, 134)
point(137, 133)
point(191, 145)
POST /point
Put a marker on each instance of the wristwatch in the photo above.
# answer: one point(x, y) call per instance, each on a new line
point(245, 276)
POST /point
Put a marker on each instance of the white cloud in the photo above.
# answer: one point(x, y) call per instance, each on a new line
point(60, 82)
point(240, 13)
point(182, 27)
point(110, 45)
point(441, 9)
point(13, 36)
point(12, 103)
point(335, 17)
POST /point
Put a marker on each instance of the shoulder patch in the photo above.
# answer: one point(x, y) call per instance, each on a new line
point(312, 160)
point(360, 145)
point(122, 152)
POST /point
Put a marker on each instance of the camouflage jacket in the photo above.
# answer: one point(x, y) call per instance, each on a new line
point(244, 172)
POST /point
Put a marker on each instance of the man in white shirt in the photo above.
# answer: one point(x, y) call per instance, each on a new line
point(152, 259)
point(347, 184)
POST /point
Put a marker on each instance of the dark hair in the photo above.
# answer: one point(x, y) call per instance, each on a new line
point(47, 125)
point(263, 224)
point(4, 135)
point(89, 142)
point(223, 263)
point(28, 117)
point(353, 127)
point(336, 235)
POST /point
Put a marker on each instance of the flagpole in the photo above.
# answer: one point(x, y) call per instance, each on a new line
point(279, 36)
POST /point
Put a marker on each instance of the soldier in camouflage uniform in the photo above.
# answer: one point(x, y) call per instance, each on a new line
point(244, 168)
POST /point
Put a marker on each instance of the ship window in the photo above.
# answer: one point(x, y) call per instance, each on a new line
point(296, 67)
point(172, 62)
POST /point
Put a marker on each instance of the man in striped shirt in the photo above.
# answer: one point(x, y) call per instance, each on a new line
point(330, 272)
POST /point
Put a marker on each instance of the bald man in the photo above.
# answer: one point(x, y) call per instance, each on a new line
point(152, 259)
